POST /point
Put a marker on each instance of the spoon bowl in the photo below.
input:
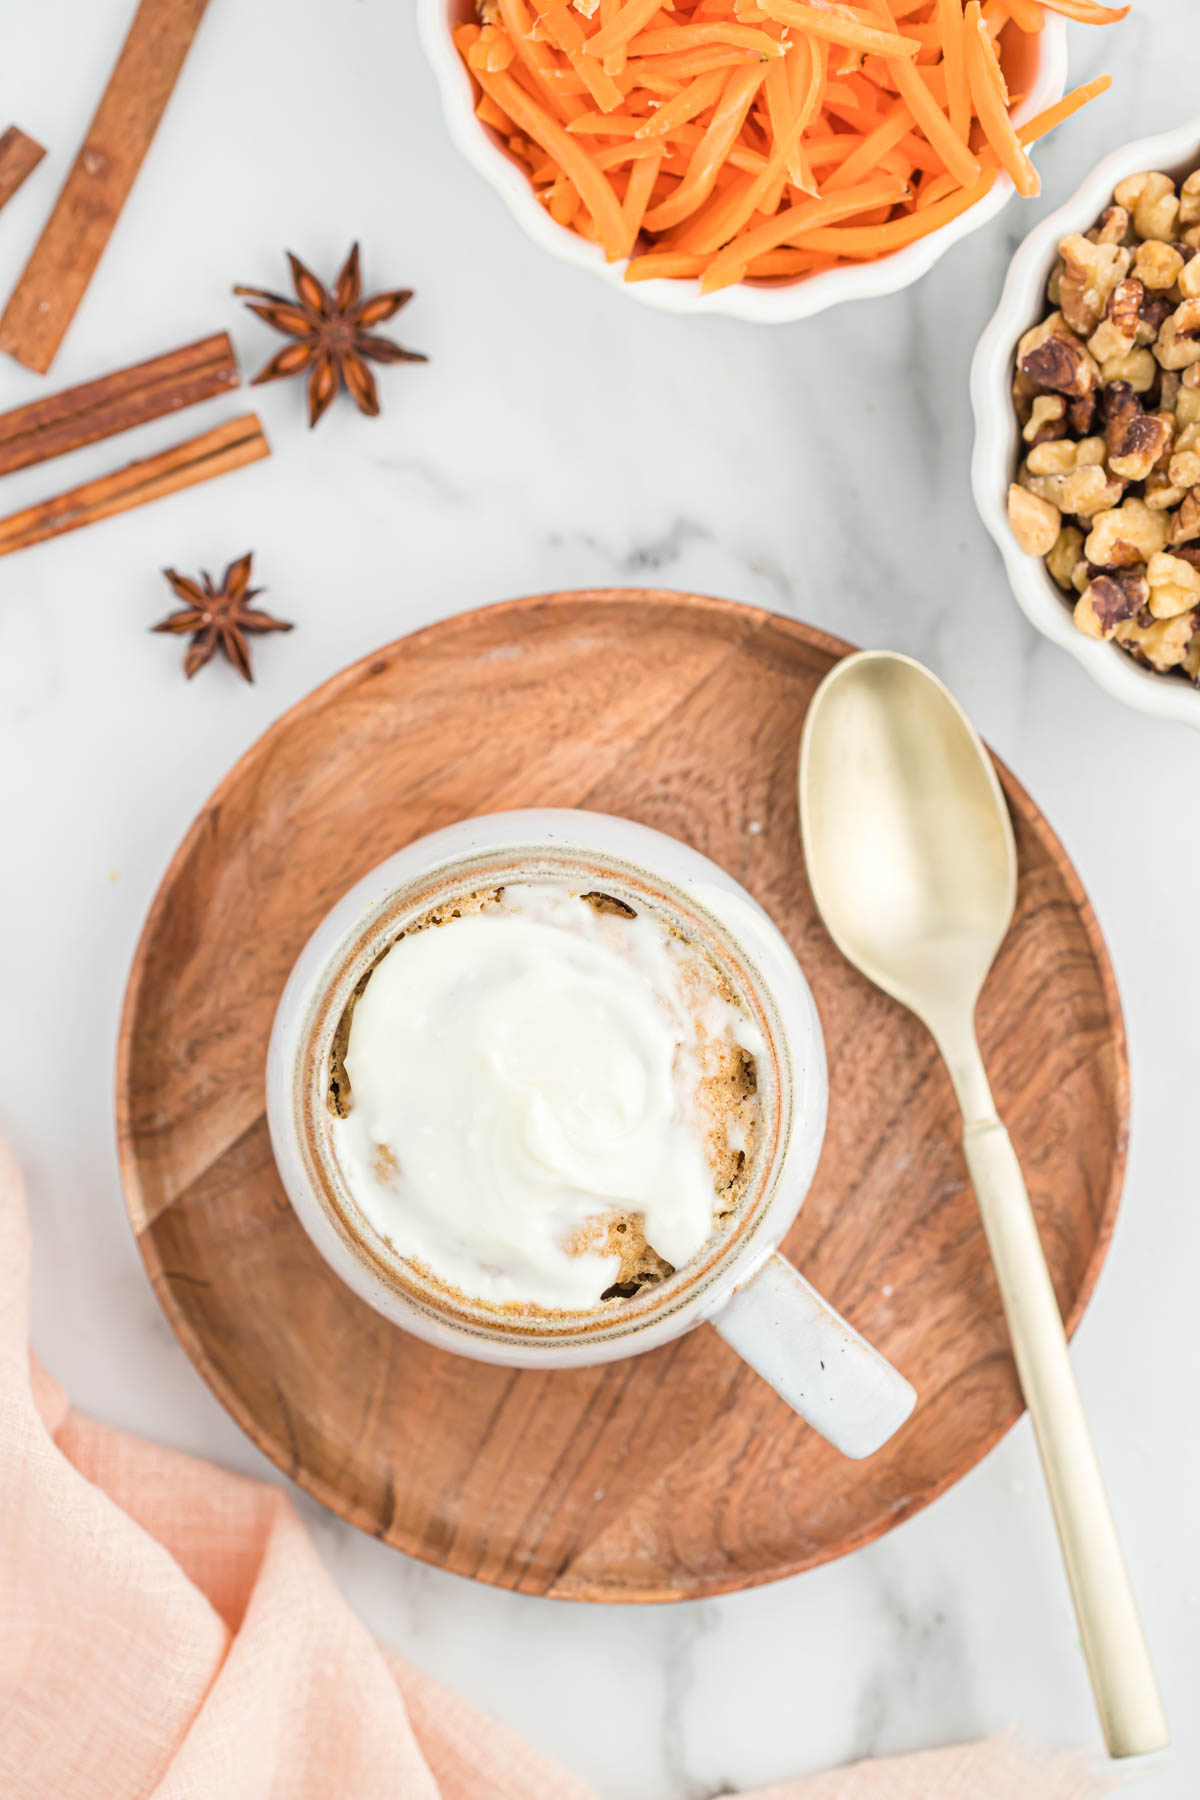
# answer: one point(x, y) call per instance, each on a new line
point(895, 785)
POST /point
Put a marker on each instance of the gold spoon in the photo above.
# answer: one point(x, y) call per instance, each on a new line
point(913, 867)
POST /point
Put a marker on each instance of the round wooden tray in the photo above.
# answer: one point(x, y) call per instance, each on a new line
point(677, 1474)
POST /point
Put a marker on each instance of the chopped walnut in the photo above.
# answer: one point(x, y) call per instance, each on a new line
point(1189, 200)
point(1137, 367)
point(1157, 265)
point(1116, 334)
point(1136, 439)
point(1163, 644)
point(1052, 357)
point(1060, 458)
point(1174, 585)
point(1081, 412)
point(1187, 401)
point(1047, 419)
point(1159, 492)
point(1065, 555)
point(1169, 423)
point(1113, 227)
point(1178, 343)
point(1151, 199)
point(1184, 466)
point(1186, 524)
point(1035, 522)
point(1152, 315)
point(1107, 600)
point(1023, 392)
point(1116, 518)
point(1125, 535)
point(1090, 273)
point(1078, 492)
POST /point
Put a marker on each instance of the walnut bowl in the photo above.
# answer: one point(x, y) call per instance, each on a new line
point(1036, 66)
point(997, 432)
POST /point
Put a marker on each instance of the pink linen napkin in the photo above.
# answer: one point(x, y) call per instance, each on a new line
point(168, 1633)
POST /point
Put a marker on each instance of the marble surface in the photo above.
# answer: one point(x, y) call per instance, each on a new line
point(562, 436)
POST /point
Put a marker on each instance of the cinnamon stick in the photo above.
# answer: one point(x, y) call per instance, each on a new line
point(117, 402)
point(64, 259)
point(229, 446)
point(19, 156)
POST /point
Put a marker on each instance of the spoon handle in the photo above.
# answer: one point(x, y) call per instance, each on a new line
point(1122, 1679)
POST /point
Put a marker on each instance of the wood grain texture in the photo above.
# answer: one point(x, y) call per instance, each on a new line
point(19, 157)
point(56, 277)
point(672, 1475)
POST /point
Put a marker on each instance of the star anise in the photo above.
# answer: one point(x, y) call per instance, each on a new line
point(333, 332)
point(218, 618)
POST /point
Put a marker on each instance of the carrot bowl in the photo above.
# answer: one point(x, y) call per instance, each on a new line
point(772, 286)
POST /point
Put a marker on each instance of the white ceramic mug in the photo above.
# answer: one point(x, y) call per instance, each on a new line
point(753, 1297)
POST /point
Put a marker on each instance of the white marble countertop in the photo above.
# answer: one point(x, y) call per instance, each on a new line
point(562, 436)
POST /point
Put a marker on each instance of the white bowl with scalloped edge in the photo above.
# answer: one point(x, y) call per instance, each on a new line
point(997, 431)
point(1037, 70)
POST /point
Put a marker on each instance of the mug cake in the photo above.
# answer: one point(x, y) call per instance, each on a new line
point(545, 1097)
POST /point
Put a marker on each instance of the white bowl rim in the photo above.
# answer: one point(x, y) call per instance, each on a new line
point(782, 304)
point(995, 454)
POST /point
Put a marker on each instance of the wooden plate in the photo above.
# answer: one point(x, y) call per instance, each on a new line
point(676, 1474)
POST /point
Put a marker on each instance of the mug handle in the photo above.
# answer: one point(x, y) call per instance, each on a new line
point(814, 1360)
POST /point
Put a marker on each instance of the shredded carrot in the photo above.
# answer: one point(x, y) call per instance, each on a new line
point(806, 85)
point(596, 79)
point(871, 150)
point(928, 116)
point(1026, 15)
point(656, 75)
point(788, 262)
point(728, 264)
point(629, 152)
point(561, 23)
point(781, 131)
point(1045, 122)
point(763, 140)
point(665, 264)
point(954, 61)
point(686, 37)
point(729, 115)
point(489, 114)
point(637, 196)
point(1087, 12)
point(840, 27)
point(718, 220)
point(934, 188)
point(864, 243)
point(633, 17)
point(753, 198)
point(595, 192)
point(696, 98)
point(537, 58)
point(991, 105)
